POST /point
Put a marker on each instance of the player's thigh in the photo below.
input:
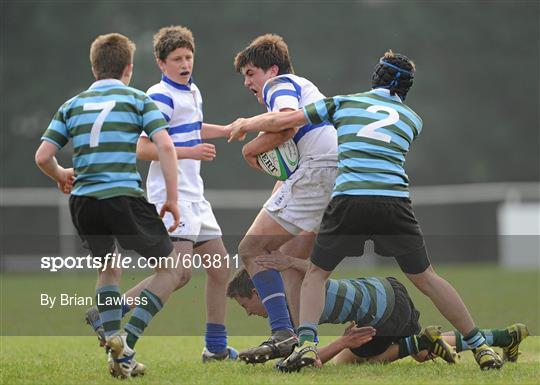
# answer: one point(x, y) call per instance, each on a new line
point(215, 259)
point(264, 234)
point(87, 219)
point(137, 226)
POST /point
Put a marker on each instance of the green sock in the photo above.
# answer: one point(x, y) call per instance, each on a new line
point(306, 332)
point(501, 337)
point(459, 341)
point(408, 345)
point(149, 305)
point(109, 307)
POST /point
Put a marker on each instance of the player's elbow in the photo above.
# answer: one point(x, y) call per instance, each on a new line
point(41, 158)
point(247, 151)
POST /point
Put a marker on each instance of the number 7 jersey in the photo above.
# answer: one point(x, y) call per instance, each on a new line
point(104, 124)
point(375, 131)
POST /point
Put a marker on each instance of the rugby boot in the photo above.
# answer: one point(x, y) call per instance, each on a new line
point(122, 363)
point(301, 357)
point(92, 318)
point(518, 332)
point(228, 354)
point(486, 358)
point(280, 345)
point(431, 337)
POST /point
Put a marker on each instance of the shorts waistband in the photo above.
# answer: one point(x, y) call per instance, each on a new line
point(319, 163)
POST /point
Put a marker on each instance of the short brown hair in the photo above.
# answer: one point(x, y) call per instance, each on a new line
point(264, 52)
point(240, 285)
point(110, 54)
point(170, 38)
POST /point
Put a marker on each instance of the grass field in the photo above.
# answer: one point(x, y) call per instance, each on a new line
point(176, 360)
point(53, 346)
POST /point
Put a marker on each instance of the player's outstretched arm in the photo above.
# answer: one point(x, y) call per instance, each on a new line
point(280, 262)
point(146, 150)
point(211, 131)
point(167, 159)
point(352, 337)
point(268, 122)
point(46, 160)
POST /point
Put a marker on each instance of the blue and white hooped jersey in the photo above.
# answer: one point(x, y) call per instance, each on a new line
point(314, 141)
point(181, 106)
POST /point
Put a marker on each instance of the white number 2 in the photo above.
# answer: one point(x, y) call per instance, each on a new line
point(105, 108)
point(368, 131)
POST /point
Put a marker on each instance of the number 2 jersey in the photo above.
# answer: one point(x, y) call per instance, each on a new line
point(314, 141)
point(104, 124)
point(375, 131)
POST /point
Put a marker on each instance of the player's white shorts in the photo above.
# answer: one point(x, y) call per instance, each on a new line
point(197, 221)
point(299, 204)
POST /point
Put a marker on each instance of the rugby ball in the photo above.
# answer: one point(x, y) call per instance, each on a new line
point(280, 162)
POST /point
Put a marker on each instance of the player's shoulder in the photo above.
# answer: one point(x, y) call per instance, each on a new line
point(159, 88)
point(284, 81)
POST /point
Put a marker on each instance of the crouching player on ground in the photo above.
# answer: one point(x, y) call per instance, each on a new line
point(107, 202)
point(359, 301)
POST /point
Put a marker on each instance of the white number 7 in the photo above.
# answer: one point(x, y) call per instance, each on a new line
point(368, 131)
point(105, 108)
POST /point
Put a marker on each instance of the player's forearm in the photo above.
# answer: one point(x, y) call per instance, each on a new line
point(149, 151)
point(167, 159)
point(211, 131)
point(326, 353)
point(267, 142)
point(50, 167)
point(275, 121)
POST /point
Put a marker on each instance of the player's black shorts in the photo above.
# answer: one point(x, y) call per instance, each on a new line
point(132, 221)
point(349, 221)
point(402, 322)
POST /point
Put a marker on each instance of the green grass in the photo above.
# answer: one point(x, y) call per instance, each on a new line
point(496, 298)
point(175, 360)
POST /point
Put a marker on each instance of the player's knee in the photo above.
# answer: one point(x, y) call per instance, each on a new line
point(183, 276)
point(111, 272)
point(246, 250)
point(220, 275)
point(423, 281)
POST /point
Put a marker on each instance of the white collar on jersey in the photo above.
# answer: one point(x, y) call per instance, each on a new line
point(107, 82)
point(386, 93)
point(181, 87)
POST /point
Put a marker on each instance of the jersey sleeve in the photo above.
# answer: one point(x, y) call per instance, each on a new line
point(280, 93)
point(163, 102)
point(152, 119)
point(321, 111)
point(57, 132)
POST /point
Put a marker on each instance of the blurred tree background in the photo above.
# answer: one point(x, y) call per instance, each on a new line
point(476, 85)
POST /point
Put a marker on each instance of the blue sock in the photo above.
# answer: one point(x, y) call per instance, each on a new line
point(215, 338)
point(474, 339)
point(269, 285)
point(488, 335)
point(125, 309)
